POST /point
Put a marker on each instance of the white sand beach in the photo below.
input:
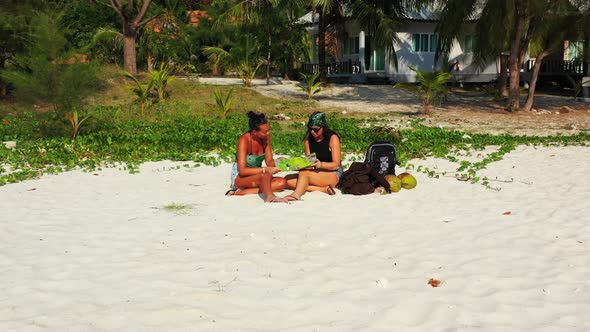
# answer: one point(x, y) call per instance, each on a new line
point(96, 251)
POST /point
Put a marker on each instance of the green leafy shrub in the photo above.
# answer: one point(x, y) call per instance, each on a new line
point(311, 87)
point(48, 73)
point(141, 90)
point(223, 103)
point(161, 78)
point(76, 122)
point(431, 88)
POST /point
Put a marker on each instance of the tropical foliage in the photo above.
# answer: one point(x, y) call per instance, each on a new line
point(141, 90)
point(311, 86)
point(118, 139)
point(76, 122)
point(52, 52)
point(244, 60)
point(160, 79)
point(512, 28)
point(431, 87)
point(223, 104)
point(47, 70)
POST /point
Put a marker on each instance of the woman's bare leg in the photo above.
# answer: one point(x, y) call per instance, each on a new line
point(266, 187)
point(310, 180)
point(302, 184)
point(249, 191)
point(262, 183)
point(317, 188)
point(291, 180)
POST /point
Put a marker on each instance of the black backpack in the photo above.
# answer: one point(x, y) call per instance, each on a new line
point(381, 156)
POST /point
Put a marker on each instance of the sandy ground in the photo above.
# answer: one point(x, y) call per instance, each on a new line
point(469, 110)
point(99, 252)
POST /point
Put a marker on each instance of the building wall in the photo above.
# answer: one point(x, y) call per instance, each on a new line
point(424, 60)
point(467, 72)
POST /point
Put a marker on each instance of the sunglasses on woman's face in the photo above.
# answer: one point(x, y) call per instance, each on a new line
point(315, 129)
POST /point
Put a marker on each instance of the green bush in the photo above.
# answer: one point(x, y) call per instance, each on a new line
point(48, 73)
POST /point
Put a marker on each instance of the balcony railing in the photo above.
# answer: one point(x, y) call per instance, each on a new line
point(334, 68)
point(558, 66)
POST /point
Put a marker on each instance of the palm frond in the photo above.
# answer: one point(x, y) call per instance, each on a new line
point(453, 19)
point(108, 36)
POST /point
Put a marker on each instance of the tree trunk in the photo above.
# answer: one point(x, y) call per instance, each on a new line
point(3, 84)
point(426, 108)
point(150, 62)
point(130, 26)
point(268, 56)
point(129, 52)
point(503, 77)
point(322, 46)
point(514, 89)
point(528, 105)
point(513, 65)
point(3, 89)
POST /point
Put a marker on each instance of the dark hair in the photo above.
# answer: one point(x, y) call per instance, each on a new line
point(256, 119)
point(327, 131)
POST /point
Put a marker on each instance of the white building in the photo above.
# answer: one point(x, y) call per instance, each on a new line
point(358, 61)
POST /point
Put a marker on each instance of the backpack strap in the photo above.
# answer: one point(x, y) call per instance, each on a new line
point(380, 179)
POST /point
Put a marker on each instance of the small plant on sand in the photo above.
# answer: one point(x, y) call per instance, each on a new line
point(141, 90)
point(76, 122)
point(223, 103)
point(311, 87)
point(576, 86)
point(432, 86)
point(178, 208)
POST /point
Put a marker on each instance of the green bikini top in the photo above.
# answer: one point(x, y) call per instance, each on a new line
point(252, 160)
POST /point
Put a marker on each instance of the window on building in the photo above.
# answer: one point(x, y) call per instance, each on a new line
point(574, 50)
point(433, 43)
point(424, 43)
point(469, 44)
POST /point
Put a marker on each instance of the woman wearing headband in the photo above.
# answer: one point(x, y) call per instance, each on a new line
point(248, 175)
point(325, 174)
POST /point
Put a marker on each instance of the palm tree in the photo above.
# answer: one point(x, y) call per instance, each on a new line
point(514, 24)
point(382, 19)
point(244, 59)
point(330, 18)
point(492, 28)
point(263, 15)
point(555, 28)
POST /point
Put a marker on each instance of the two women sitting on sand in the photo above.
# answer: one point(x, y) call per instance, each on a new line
point(249, 177)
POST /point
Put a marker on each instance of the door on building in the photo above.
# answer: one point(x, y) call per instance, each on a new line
point(374, 58)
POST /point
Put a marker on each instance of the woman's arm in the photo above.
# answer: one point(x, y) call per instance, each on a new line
point(268, 152)
point(306, 146)
point(335, 149)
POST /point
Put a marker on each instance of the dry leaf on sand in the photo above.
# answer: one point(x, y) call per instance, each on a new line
point(434, 282)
